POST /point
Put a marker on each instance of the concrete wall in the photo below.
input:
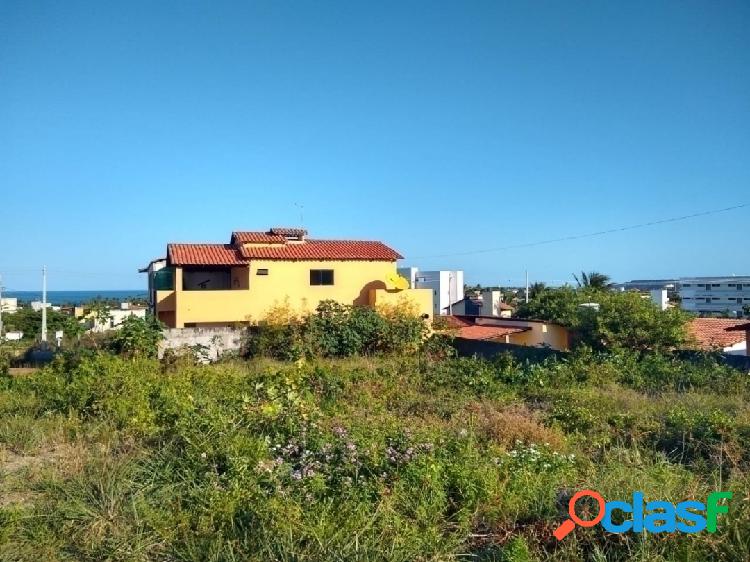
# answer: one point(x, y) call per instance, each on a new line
point(217, 340)
point(489, 349)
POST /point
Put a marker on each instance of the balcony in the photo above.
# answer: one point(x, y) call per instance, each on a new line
point(221, 306)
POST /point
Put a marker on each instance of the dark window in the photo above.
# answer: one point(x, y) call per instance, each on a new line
point(715, 285)
point(321, 277)
point(261, 272)
point(739, 286)
point(708, 287)
point(739, 301)
point(708, 299)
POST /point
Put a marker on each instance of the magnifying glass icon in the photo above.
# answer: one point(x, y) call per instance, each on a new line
point(569, 524)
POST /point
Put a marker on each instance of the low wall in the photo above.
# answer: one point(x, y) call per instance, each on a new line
point(489, 349)
point(216, 340)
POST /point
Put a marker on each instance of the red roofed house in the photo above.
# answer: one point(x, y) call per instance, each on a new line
point(224, 284)
point(742, 328)
point(534, 333)
point(720, 334)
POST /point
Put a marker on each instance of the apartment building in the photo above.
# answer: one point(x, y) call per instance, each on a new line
point(717, 295)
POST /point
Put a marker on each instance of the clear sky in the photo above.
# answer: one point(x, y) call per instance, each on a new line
point(439, 128)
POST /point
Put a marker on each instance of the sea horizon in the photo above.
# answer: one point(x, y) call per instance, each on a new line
point(78, 297)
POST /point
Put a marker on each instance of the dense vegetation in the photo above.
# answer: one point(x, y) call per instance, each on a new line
point(604, 319)
point(29, 322)
point(401, 457)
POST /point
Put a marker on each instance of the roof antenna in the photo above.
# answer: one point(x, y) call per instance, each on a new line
point(301, 215)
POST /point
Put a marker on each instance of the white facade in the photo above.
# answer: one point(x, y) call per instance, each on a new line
point(13, 336)
point(447, 286)
point(715, 294)
point(8, 305)
point(116, 318)
point(492, 304)
point(659, 298)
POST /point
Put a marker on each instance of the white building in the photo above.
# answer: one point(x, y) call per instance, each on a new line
point(116, 317)
point(447, 286)
point(704, 295)
point(13, 336)
point(8, 305)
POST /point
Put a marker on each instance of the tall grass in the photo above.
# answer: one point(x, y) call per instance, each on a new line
point(379, 458)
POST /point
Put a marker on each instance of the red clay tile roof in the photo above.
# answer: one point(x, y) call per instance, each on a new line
point(203, 254)
point(467, 329)
point(324, 250)
point(456, 321)
point(277, 247)
point(488, 332)
point(710, 333)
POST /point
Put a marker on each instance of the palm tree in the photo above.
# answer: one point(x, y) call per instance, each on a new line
point(535, 289)
point(593, 280)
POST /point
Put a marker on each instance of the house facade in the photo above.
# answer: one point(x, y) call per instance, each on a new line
point(516, 331)
point(489, 303)
point(211, 285)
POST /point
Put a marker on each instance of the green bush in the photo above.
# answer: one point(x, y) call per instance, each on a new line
point(334, 330)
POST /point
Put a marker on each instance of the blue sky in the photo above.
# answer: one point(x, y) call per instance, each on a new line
point(439, 128)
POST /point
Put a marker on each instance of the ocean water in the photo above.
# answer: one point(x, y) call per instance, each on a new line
point(77, 297)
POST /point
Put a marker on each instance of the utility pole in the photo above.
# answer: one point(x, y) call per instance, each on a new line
point(44, 303)
point(527, 285)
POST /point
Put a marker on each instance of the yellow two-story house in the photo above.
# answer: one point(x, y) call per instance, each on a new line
point(207, 285)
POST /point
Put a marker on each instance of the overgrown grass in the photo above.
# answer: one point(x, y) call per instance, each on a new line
point(379, 458)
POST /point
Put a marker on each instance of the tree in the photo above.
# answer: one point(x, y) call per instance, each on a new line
point(536, 289)
point(622, 320)
point(29, 322)
point(559, 305)
point(138, 337)
point(593, 280)
point(99, 313)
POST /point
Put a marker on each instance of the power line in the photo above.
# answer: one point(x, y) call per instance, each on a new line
point(587, 235)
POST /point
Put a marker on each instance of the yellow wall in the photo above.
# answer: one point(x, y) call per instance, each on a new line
point(287, 281)
point(419, 299)
point(540, 334)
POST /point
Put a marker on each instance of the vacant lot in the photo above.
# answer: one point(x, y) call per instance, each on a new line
point(387, 458)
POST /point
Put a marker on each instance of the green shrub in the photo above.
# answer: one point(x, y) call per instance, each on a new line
point(334, 330)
